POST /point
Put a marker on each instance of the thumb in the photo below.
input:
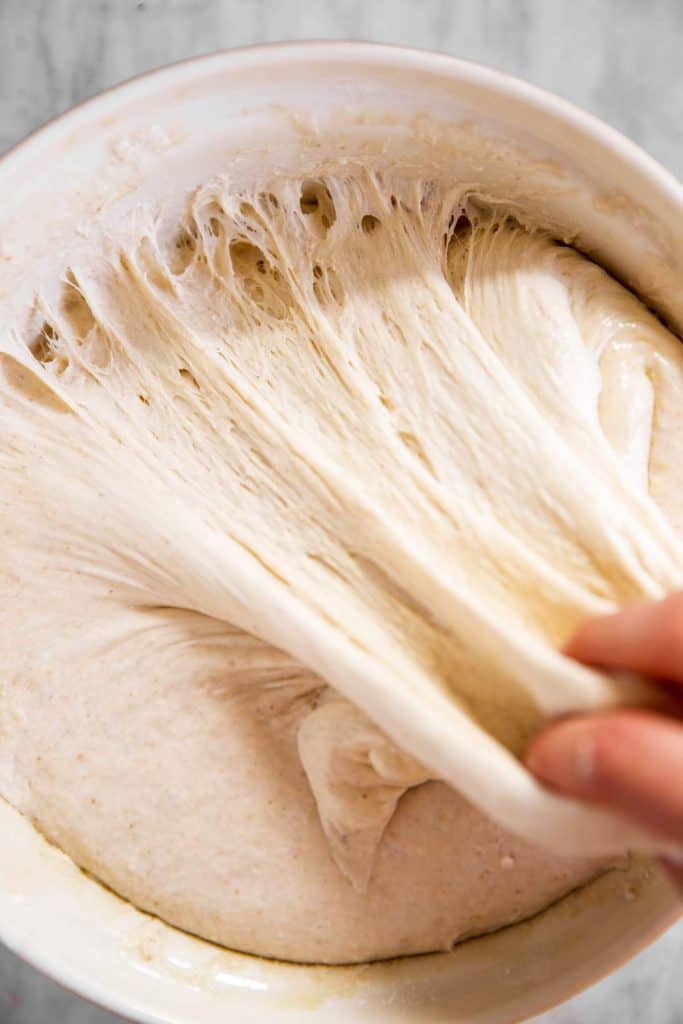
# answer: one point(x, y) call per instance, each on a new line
point(631, 761)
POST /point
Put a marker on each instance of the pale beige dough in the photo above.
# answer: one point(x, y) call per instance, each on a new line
point(369, 422)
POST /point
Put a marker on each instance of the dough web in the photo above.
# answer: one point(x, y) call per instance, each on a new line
point(365, 430)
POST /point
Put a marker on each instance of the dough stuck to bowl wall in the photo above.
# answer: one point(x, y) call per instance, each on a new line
point(316, 477)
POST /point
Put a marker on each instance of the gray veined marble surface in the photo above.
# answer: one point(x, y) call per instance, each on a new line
point(620, 59)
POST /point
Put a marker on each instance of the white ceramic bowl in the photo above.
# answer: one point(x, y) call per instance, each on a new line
point(624, 208)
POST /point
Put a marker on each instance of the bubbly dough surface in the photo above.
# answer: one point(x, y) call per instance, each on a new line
point(314, 483)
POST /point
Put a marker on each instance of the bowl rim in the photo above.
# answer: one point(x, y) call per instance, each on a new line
point(337, 53)
point(343, 51)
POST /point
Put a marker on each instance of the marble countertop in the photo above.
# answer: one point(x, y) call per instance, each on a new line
point(620, 59)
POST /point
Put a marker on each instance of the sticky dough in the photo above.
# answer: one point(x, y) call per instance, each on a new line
point(301, 493)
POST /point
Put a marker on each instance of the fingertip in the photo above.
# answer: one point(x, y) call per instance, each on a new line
point(646, 638)
point(629, 760)
point(604, 641)
point(563, 755)
point(585, 642)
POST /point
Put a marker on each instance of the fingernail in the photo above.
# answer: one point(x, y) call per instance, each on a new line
point(564, 757)
point(584, 758)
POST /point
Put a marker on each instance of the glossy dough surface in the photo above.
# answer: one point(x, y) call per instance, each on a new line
point(301, 490)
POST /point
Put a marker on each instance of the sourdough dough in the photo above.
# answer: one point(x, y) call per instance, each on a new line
point(301, 491)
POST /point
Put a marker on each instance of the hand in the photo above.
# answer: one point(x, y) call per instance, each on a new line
point(631, 761)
